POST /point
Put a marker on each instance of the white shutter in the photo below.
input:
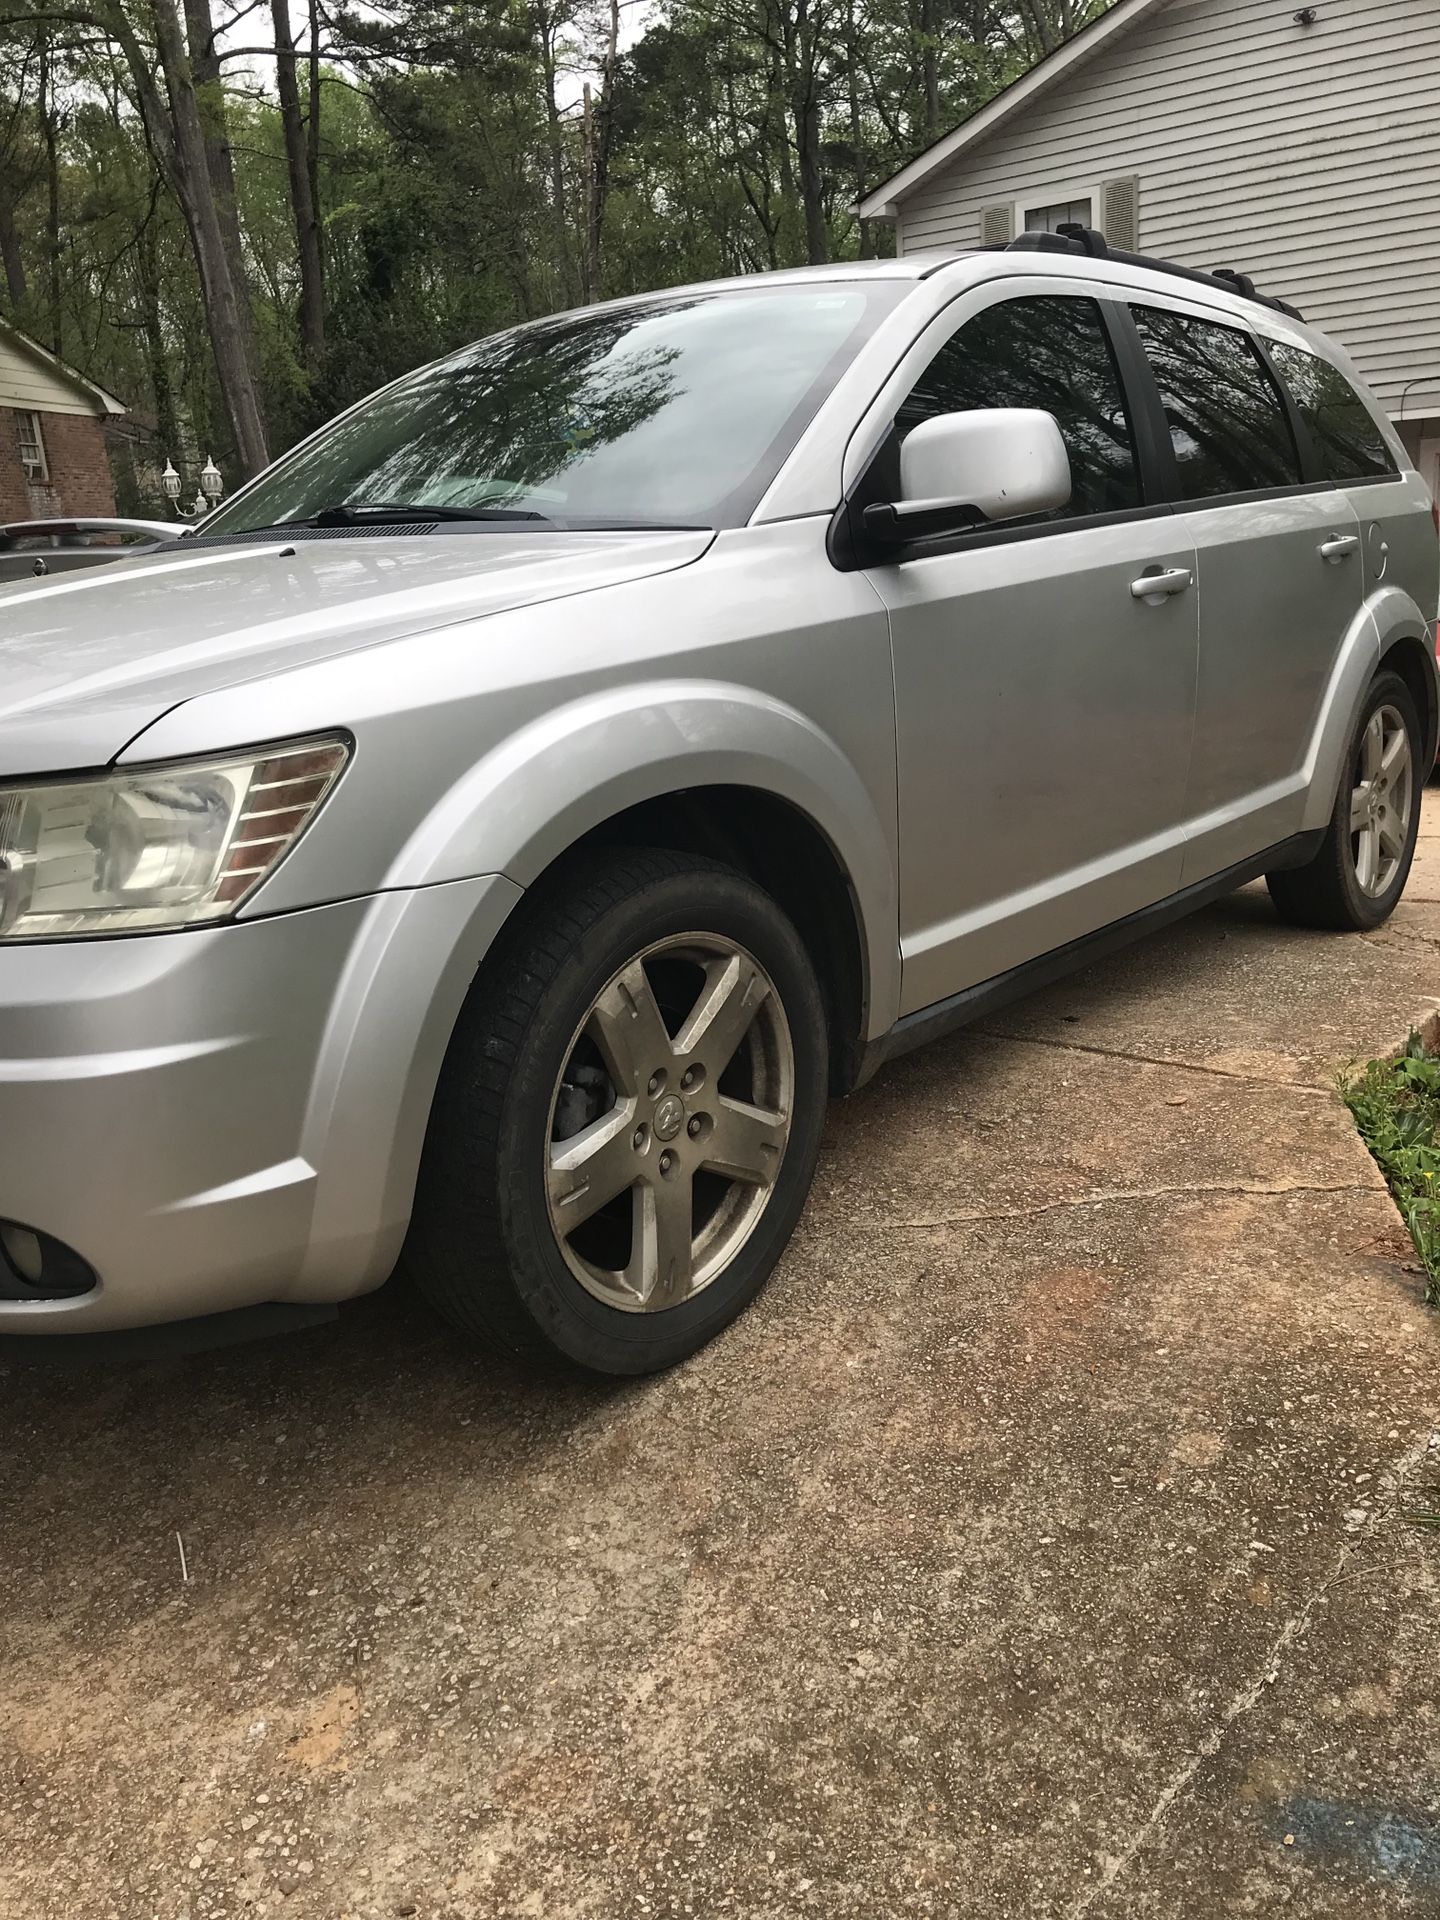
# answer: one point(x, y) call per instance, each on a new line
point(1120, 212)
point(997, 225)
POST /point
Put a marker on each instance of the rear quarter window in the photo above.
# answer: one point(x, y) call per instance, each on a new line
point(1347, 439)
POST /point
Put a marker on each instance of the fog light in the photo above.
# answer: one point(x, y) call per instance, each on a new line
point(36, 1266)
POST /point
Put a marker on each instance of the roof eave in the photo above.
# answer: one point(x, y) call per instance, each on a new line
point(884, 202)
point(108, 403)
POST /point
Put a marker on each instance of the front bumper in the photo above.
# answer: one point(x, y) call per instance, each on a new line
point(217, 1118)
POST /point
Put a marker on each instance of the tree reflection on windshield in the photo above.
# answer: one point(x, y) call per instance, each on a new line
point(667, 410)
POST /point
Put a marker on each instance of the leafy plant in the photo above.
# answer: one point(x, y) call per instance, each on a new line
point(1396, 1105)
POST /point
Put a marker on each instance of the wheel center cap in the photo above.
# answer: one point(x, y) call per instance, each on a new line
point(669, 1117)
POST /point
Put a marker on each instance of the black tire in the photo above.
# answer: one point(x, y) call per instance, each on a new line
point(481, 1247)
point(1326, 891)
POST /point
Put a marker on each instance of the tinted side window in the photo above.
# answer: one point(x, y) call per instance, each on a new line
point(1227, 421)
point(1347, 440)
point(1052, 353)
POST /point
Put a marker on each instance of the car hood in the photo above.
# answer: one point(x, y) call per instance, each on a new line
point(87, 660)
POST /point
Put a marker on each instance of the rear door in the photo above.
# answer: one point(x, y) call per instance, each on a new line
point(1348, 446)
point(1280, 577)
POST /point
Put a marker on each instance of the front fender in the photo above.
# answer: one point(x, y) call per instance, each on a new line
point(542, 788)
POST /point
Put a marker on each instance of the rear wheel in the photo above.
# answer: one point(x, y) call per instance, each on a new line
point(628, 1118)
point(1359, 873)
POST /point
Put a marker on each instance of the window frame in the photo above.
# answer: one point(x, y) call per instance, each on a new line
point(1049, 196)
point(42, 477)
point(1310, 453)
point(1148, 399)
point(849, 547)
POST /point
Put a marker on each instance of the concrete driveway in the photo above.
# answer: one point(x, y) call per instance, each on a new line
point(1034, 1547)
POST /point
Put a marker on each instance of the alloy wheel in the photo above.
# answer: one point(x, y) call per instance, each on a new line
point(669, 1122)
point(1381, 801)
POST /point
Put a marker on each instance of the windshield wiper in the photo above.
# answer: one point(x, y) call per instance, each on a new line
point(385, 512)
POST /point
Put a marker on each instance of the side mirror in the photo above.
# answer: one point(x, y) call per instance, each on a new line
point(960, 469)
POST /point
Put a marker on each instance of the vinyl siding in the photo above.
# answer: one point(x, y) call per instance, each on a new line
point(1307, 157)
point(29, 385)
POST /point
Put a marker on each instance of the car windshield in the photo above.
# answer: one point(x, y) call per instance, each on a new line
point(675, 411)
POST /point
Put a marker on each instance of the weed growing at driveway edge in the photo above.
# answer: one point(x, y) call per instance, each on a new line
point(1396, 1104)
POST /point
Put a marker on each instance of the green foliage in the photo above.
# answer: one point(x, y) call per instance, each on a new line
point(454, 174)
point(1396, 1104)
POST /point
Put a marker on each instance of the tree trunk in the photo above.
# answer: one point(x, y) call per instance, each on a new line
point(857, 128)
point(801, 64)
point(545, 32)
point(157, 359)
point(190, 170)
point(49, 131)
point(11, 257)
point(599, 127)
point(209, 98)
point(930, 67)
point(307, 225)
point(312, 119)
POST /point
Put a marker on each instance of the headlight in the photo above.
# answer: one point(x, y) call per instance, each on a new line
point(167, 846)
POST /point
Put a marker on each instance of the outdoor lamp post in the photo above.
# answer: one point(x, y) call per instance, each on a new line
point(201, 506)
point(170, 481)
point(212, 485)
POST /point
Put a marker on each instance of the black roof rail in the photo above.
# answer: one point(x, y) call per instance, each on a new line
point(1070, 237)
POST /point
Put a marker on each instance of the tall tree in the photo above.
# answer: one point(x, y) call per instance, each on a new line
point(302, 198)
point(599, 132)
point(179, 136)
point(209, 92)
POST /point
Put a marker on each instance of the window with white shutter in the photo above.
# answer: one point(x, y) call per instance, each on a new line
point(1120, 213)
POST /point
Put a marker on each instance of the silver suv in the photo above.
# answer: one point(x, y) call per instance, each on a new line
point(490, 840)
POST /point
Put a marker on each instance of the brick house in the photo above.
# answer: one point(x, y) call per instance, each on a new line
point(53, 461)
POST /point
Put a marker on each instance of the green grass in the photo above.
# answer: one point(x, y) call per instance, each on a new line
point(1396, 1104)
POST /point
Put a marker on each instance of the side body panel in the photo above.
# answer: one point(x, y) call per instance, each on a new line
point(241, 1108)
point(1275, 618)
point(493, 746)
point(1398, 534)
point(1043, 713)
point(1043, 721)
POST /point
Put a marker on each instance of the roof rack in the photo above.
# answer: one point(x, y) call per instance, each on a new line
point(1071, 237)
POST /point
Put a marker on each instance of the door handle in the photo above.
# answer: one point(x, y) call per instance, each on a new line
point(1158, 586)
point(1339, 546)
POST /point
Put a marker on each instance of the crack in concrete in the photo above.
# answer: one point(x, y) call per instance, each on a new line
point(1147, 1060)
point(1119, 1194)
point(1249, 1696)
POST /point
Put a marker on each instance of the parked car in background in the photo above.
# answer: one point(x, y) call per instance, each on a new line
point(34, 548)
point(513, 813)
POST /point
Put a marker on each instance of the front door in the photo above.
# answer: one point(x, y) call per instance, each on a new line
point(1044, 699)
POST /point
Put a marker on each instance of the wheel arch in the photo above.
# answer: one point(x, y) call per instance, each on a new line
point(1391, 631)
point(1414, 661)
point(780, 847)
point(704, 767)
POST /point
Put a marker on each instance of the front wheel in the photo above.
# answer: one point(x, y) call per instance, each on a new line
point(628, 1117)
point(1356, 879)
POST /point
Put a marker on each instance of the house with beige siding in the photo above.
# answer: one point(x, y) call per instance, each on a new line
point(53, 461)
point(1297, 144)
